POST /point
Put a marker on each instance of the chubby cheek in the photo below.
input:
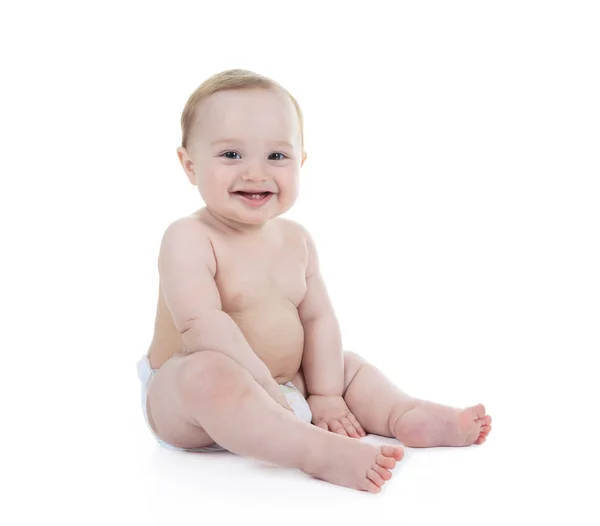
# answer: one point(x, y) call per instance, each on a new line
point(214, 185)
point(289, 187)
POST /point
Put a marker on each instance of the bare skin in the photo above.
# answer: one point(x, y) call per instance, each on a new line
point(211, 388)
point(242, 307)
point(218, 385)
point(201, 398)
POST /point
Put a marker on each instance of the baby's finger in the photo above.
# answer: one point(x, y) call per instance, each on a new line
point(356, 424)
point(349, 428)
point(337, 427)
point(323, 425)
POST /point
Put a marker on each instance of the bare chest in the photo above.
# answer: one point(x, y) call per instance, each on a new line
point(248, 278)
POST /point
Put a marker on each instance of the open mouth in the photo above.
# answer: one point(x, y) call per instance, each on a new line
point(252, 196)
point(254, 199)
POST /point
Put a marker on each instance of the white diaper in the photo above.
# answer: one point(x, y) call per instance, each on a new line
point(145, 374)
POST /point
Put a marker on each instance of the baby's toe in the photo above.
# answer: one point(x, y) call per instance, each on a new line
point(478, 410)
point(393, 451)
point(371, 487)
point(375, 477)
point(385, 474)
point(386, 462)
point(484, 421)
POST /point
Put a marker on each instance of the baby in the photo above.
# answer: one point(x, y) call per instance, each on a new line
point(247, 354)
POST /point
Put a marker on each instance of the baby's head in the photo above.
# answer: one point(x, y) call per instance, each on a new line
point(243, 146)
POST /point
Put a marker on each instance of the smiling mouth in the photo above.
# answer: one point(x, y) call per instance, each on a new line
point(252, 195)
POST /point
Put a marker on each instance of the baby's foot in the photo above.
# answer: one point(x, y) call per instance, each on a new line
point(431, 425)
point(475, 424)
point(354, 464)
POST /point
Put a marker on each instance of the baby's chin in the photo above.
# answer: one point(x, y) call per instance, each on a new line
point(234, 217)
point(233, 212)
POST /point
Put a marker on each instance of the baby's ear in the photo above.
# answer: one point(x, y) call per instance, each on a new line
point(187, 164)
point(304, 156)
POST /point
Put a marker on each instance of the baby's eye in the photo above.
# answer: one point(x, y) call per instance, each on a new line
point(231, 155)
point(280, 158)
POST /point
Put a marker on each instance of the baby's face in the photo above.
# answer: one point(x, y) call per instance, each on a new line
point(245, 142)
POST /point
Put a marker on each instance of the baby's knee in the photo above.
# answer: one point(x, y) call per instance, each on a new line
point(350, 357)
point(207, 374)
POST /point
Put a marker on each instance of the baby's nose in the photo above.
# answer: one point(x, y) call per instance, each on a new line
point(254, 175)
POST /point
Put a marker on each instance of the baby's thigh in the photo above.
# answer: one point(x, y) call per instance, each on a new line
point(170, 413)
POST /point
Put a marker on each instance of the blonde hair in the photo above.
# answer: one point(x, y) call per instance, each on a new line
point(229, 80)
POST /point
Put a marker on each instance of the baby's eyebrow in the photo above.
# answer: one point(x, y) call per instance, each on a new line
point(237, 141)
point(283, 143)
point(224, 141)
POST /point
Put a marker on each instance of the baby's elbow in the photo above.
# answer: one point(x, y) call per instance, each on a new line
point(198, 333)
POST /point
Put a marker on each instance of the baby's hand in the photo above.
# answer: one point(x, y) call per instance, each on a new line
point(332, 414)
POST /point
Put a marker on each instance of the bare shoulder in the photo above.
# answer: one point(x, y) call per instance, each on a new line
point(190, 225)
point(295, 231)
point(187, 236)
point(300, 235)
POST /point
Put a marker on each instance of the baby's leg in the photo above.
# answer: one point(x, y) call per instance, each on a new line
point(385, 410)
point(199, 398)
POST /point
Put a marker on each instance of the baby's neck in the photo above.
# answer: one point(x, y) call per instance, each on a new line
point(233, 227)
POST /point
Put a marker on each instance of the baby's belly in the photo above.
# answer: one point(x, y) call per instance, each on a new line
point(274, 332)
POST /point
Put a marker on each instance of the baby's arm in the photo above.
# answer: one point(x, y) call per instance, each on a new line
point(187, 268)
point(323, 358)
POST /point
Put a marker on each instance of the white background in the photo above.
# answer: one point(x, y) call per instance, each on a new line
point(452, 186)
